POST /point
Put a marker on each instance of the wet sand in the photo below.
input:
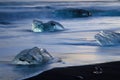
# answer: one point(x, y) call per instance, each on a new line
point(102, 71)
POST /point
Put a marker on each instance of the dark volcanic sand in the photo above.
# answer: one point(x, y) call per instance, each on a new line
point(103, 71)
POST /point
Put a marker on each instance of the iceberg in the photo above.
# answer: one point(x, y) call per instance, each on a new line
point(50, 26)
point(32, 56)
point(108, 38)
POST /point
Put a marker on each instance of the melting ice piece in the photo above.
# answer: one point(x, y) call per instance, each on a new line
point(108, 38)
point(53, 26)
point(37, 26)
point(32, 56)
point(72, 13)
point(98, 70)
point(50, 26)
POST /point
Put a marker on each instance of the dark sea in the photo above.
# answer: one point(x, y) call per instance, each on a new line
point(75, 45)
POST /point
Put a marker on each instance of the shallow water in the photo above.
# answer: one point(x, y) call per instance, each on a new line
point(75, 45)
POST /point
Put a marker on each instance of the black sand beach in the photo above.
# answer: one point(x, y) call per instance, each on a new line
point(103, 71)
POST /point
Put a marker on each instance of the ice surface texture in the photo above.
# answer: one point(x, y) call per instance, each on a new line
point(108, 38)
point(51, 26)
point(32, 56)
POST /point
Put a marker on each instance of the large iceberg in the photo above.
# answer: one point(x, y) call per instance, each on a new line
point(39, 26)
point(32, 56)
point(108, 38)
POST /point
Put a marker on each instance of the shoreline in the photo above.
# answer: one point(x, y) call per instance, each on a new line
point(102, 71)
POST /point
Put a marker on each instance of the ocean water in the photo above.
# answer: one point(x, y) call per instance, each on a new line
point(75, 45)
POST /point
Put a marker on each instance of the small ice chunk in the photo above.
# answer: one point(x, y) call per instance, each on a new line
point(37, 26)
point(32, 56)
point(53, 26)
point(98, 70)
point(108, 38)
point(50, 26)
point(72, 13)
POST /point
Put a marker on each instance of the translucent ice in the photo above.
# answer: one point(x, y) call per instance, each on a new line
point(98, 70)
point(37, 26)
point(108, 38)
point(32, 56)
point(50, 26)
